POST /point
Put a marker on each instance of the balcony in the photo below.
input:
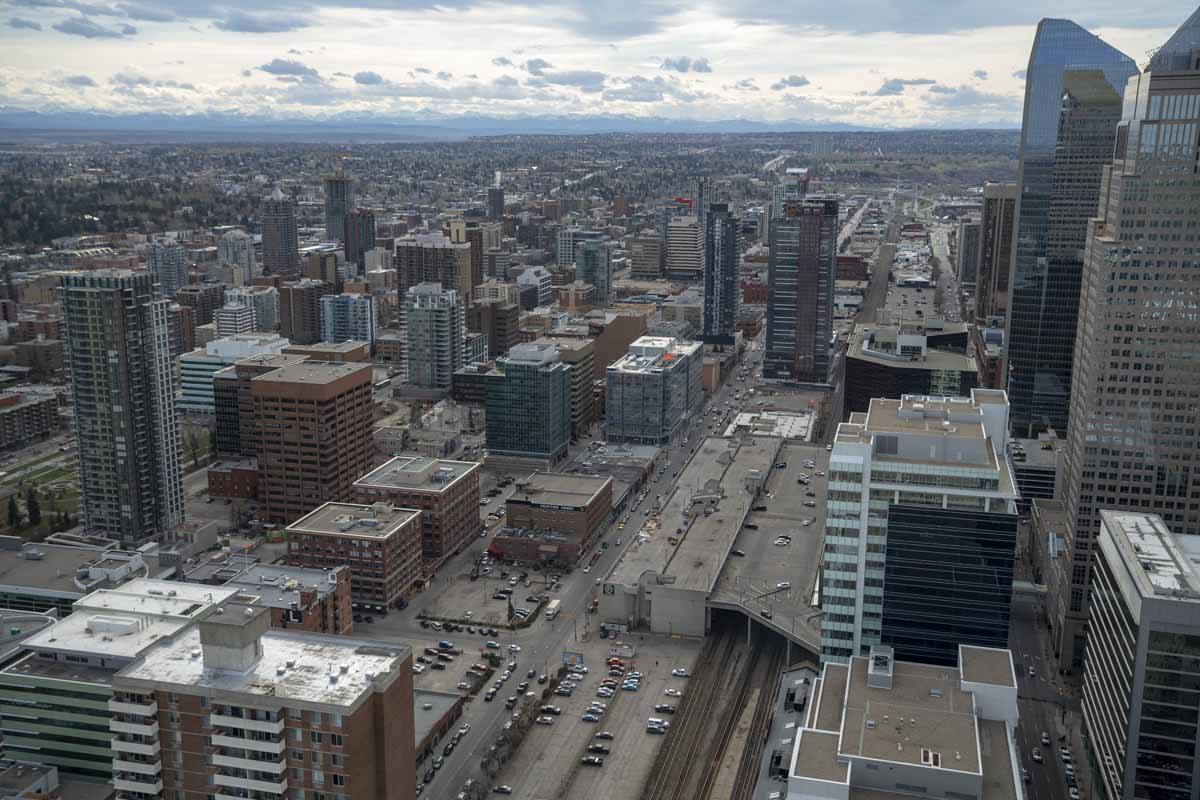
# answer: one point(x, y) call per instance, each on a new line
point(241, 723)
point(137, 709)
point(140, 767)
point(238, 762)
point(137, 748)
point(149, 730)
point(260, 745)
point(133, 783)
point(250, 784)
point(232, 795)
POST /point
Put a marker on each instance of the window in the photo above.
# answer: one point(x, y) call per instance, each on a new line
point(315, 737)
point(318, 777)
point(335, 739)
point(339, 780)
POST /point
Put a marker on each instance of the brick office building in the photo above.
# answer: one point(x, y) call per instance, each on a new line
point(554, 516)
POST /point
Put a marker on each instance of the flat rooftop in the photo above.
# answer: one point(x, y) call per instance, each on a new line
point(558, 489)
point(333, 671)
point(313, 372)
point(1161, 563)
point(417, 473)
point(53, 573)
point(376, 521)
point(773, 423)
point(271, 360)
point(429, 707)
point(932, 358)
point(272, 585)
point(348, 346)
point(989, 665)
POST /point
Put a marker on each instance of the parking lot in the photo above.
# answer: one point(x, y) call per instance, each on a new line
point(461, 598)
point(548, 763)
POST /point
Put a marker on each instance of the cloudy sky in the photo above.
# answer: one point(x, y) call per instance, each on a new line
point(869, 62)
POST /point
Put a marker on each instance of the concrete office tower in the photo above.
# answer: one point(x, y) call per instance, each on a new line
point(235, 250)
point(322, 264)
point(1045, 301)
point(650, 392)
point(265, 302)
point(198, 369)
point(500, 320)
point(242, 702)
point(800, 278)
point(168, 263)
point(722, 288)
point(1043, 286)
point(234, 318)
point(495, 202)
point(529, 405)
point(123, 387)
point(203, 298)
point(647, 256)
point(300, 310)
point(360, 238)
point(1126, 446)
point(435, 331)
point(685, 249)
point(280, 237)
point(464, 232)
point(1141, 664)
point(346, 317)
point(593, 264)
point(313, 437)
point(570, 239)
point(580, 355)
point(995, 252)
point(339, 201)
point(434, 258)
point(540, 278)
point(969, 234)
point(496, 263)
point(921, 531)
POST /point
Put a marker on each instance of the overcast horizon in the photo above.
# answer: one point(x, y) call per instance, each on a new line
point(903, 64)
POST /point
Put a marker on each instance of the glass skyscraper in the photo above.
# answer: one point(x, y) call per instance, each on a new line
point(1044, 292)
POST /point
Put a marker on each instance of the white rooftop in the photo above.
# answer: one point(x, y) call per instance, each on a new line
point(1164, 563)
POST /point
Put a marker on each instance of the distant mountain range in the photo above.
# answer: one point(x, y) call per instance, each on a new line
point(217, 126)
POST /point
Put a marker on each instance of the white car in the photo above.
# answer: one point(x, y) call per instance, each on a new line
point(515, 648)
point(782, 542)
point(587, 569)
point(673, 693)
point(544, 720)
point(783, 585)
point(680, 672)
point(418, 668)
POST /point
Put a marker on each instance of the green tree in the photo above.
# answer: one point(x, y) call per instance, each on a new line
point(32, 508)
point(14, 513)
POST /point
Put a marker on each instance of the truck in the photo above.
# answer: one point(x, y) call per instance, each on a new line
point(552, 609)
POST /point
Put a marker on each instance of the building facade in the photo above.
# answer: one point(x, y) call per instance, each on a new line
point(435, 335)
point(265, 302)
point(346, 317)
point(593, 265)
point(235, 250)
point(650, 392)
point(280, 236)
point(360, 238)
point(995, 253)
point(300, 310)
point(528, 405)
point(434, 258)
point(685, 249)
point(168, 263)
point(722, 258)
point(339, 201)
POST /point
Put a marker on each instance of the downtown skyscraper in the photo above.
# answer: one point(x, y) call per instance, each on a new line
point(280, 236)
point(339, 201)
point(1051, 198)
point(1133, 434)
point(123, 386)
point(722, 257)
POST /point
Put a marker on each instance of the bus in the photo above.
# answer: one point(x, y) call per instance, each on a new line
point(552, 609)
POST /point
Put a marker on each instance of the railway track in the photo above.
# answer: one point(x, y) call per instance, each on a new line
point(746, 778)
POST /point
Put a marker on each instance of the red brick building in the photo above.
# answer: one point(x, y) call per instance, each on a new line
point(754, 293)
point(554, 516)
point(234, 479)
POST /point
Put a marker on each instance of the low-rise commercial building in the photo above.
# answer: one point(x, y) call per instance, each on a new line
point(380, 543)
point(554, 516)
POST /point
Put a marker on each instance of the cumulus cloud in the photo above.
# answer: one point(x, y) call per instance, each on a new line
point(423, 70)
point(131, 80)
point(28, 24)
point(790, 82)
point(969, 97)
point(502, 61)
point(536, 66)
point(937, 88)
point(650, 90)
point(586, 80)
point(79, 81)
point(894, 86)
point(289, 68)
point(445, 76)
point(746, 85)
point(368, 78)
point(242, 22)
point(981, 74)
point(88, 29)
point(686, 64)
point(146, 13)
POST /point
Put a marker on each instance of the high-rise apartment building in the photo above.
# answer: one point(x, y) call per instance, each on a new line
point(235, 250)
point(300, 310)
point(647, 257)
point(593, 264)
point(469, 233)
point(280, 236)
point(685, 248)
point(123, 386)
point(921, 529)
point(346, 317)
point(995, 252)
point(1131, 443)
point(529, 405)
point(446, 492)
point(722, 287)
point(650, 392)
point(580, 355)
point(1044, 301)
point(203, 298)
point(1063, 147)
point(495, 202)
point(969, 234)
point(434, 258)
point(1142, 646)
point(800, 279)
point(339, 201)
point(168, 263)
point(435, 335)
point(313, 424)
point(360, 237)
point(234, 318)
point(232, 708)
point(263, 299)
point(500, 320)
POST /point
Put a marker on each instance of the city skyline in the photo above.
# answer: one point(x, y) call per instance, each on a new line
point(896, 69)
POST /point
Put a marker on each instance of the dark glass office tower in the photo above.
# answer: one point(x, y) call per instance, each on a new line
point(947, 581)
point(339, 200)
point(1040, 340)
point(721, 289)
point(800, 277)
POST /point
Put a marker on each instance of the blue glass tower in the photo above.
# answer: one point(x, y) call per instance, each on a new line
point(1044, 290)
